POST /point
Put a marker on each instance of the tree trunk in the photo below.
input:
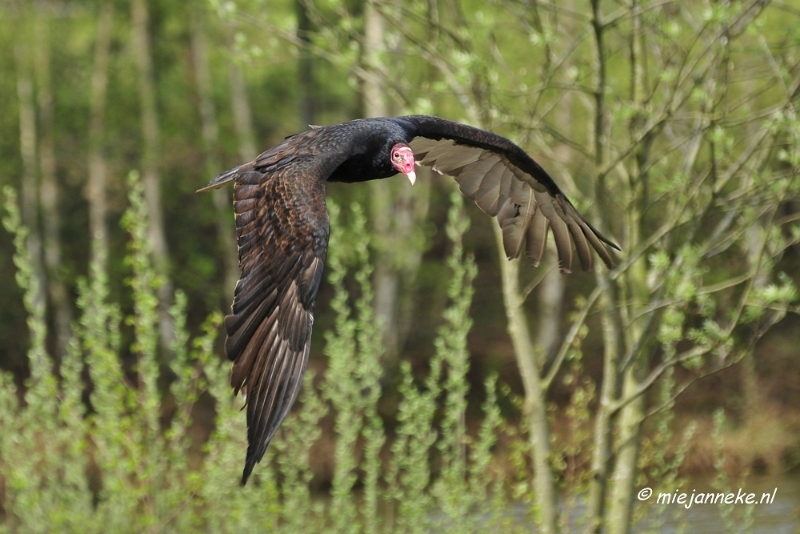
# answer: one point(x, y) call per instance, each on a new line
point(208, 115)
point(396, 210)
point(305, 66)
point(385, 277)
point(535, 406)
point(98, 168)
point(151, 178)
point(631, 416)
point(752, 397)
point(550, 308)
point(535, 402)
point(29, 183)
point(49, 190)
point(241, 112)
point(612, 331)
point(245, 134)
point(629, 426)
point(373, 88)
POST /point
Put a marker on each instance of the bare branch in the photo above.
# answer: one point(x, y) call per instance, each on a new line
point(569, 339)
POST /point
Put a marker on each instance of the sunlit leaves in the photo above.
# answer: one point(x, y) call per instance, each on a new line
point(775, 296)
point(668, 75)
point(722, 139)
point(224, 8)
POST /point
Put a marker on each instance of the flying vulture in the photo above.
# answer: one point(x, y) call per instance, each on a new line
point(282, 229)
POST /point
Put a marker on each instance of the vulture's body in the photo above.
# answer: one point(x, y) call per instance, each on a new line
point(282, 229)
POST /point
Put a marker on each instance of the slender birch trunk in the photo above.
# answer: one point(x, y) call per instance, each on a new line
point(29, 186)
point(631, 416)
point(226, 233)
point(386, 280)
point(535, 405)
point(550, 304)
point(151, 178)
point(396, 208)
point(245, 135)
point(752, 395)
point(305, 66)
point(535, 401)
point(241, 113)
point(98, 166)
point(49, 189)
point(612, 330)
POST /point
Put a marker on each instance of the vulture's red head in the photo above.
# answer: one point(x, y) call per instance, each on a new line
point(403, 160)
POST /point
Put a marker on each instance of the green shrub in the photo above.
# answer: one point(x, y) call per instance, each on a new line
point(126, 461)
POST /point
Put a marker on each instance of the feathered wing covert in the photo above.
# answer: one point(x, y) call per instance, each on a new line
point(508, 184)
point(282, 229)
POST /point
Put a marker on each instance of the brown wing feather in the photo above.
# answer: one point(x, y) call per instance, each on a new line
point(282, 229)
point(525, 207)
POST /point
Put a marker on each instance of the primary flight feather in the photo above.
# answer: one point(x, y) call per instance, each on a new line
point(282, 230)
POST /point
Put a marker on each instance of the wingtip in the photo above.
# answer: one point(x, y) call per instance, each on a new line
point(254, 456)
point(248, 470)
point(245, 476)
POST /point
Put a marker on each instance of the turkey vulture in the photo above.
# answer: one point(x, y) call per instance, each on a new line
point(282, 230)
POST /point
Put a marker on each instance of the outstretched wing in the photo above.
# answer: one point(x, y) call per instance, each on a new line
point(282, 229)
point(508, 184)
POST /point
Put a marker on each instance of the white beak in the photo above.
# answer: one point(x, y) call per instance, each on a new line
point(412, 177)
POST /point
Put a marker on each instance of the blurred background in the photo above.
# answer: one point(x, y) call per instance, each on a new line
point(672, 126)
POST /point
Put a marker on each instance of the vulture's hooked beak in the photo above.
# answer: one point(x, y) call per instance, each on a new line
point(412, 176)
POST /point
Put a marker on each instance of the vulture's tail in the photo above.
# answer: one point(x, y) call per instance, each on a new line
point(222, 179)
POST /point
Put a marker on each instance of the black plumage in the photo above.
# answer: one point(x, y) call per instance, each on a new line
point(282, 229)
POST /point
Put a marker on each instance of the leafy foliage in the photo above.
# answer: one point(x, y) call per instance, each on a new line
point(126, 460)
